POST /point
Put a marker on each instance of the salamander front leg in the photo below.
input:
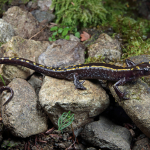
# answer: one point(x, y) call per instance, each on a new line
point(130, 63)
point(3, 88)
point(120, 94)
point(77, 83)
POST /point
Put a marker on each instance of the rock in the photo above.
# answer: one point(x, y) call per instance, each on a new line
point(43, 15)
point(105, 134)
point(74, 38)
point(63, 53)
point(78, 131)
point(79, 146)
point(106, 47)
point(65, 136)
point(91, 148)
point(58, 96)
point(137, 107)
point(45, 5)
point(95, 33)
point(36, 82)
point(62, 145)
point(140, 59)
point(19, 47)
point(6, 31)
point(142, 144)
point(23, 115)
point(1, 131)
point(32, 5)
point(25, 25)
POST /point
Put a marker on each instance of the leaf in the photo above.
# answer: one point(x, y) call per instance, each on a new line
point(60, 30)
point(55, 33)
point(65, 32)
point(50, 39)
point(77, 34)
point(85, 36)
point(75, 29)
point(54, 28)
point(67, 37)
point(65, 120)
point(53, 36)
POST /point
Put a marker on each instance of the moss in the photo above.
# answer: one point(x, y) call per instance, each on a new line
point(133, 32)
point(115, 14)
point(94, 59)
point(79, 12)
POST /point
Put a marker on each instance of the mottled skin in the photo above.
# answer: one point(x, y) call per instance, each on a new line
point(86, 71)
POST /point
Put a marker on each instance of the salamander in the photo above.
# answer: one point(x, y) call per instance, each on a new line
point(101, 71)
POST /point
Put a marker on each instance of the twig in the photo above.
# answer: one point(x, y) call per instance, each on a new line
point(52, 24)
point(70, 145)
point(50, 130)
point(37, 33)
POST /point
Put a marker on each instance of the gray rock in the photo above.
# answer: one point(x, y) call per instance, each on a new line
point(137, 107)
point(105, 134)
point(58, 96)
point(140, 59)
point(106, 47)
point(45, 4)
point(63, 53)
point(141, 144)
point(74, 38)
point(91, 148)
point(22, 48)
point(6, 31)
point(23, 115)
point(43, 15)
point(25, 25)
point(32, 5)
point(36, 82)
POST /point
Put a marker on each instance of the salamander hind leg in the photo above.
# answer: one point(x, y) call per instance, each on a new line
point(121, 95)
point(77, 83)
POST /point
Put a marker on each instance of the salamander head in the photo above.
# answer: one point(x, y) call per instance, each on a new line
point(144, 69)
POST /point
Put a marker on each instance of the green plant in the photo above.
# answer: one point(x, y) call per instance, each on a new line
point(65, 120)
point(132, 32)
point(136, 46)
point(62, 33)
point(94, 59)
point(2, 79)
point(1, 44)
point(79, 12)
point(10, 144)
point(3, 2)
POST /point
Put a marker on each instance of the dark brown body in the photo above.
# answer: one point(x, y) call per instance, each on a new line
point(87, 71)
